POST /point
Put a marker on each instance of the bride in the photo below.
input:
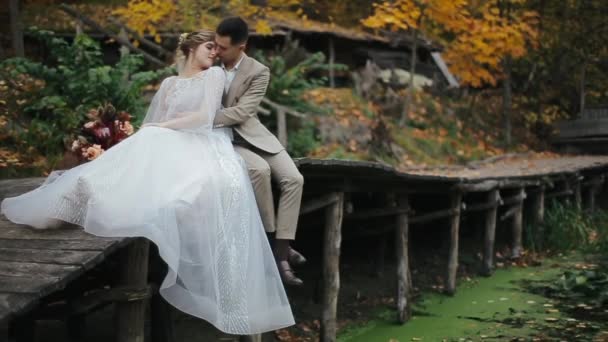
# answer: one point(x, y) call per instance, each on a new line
point(180, 184)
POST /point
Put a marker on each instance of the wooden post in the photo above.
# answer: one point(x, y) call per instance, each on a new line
point(591, 192)
point(331, 268)
point(161, 325)
point(404, 309)
point(16, 28)
point(23, 328)
point(282, 126)
point(332, 57)
point(538, 218)
point(577, 194)
point(123, 49)
point(251, 338)
point(518, 227)
point(590, 201)
point(378, 266)
point(490, 233)
point(161, 320)
point(455, 203)
point(130, 315)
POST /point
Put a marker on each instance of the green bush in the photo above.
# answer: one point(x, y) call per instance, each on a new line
point(293, 71)
point(302, 141)
point(568, 227)
point(71, 81)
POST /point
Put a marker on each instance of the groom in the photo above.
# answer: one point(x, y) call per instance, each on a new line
point(246, 83)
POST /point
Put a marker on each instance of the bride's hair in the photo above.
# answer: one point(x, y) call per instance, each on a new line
point(190, 41)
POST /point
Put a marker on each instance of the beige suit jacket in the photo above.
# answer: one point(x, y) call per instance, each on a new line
point(241, 102)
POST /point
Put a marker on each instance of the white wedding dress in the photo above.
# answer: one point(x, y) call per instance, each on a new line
point(186, 190)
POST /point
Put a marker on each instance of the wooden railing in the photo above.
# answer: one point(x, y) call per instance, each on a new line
point(282, 112)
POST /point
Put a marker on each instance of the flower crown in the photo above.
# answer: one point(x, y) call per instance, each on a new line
point(182, 38)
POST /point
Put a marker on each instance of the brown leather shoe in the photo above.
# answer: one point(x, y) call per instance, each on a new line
point(295, 258)
point(287, 274)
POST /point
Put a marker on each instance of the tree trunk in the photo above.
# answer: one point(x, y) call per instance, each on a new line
point(16, 30)
point(332, 57)
point(507, 99)
point(582, 85)
point(410, 93)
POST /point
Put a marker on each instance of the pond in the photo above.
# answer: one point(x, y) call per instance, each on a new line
point(498, 308)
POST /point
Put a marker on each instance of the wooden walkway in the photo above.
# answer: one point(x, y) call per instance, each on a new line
point(40, 267)
point(37, 265)
point(496, 192)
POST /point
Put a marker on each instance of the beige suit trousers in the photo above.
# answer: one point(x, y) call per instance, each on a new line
point(263, 168)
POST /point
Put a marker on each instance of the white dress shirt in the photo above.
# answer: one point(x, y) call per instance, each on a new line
point(230, 74)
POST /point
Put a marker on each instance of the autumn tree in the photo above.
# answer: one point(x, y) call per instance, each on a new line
point(418, 19)
point(569, 69)
point(496, 33)
point(480, 37)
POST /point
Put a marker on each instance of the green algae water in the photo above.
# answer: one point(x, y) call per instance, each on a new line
point(493, 309)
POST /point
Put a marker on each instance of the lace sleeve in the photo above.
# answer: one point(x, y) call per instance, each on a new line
point(202, 120)
point(157, 111)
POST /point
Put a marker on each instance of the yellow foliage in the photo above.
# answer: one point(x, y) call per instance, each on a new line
point(262, 27)
point(477, 35)
point(144, 15)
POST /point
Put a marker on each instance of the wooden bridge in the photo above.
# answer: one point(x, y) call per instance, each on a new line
point(64, 273)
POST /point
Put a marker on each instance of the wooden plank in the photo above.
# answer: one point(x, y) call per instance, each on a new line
point(16, 187)
point(318, 203)
point(76, 258)
point(455, 201)
point(29, 269)
point(435, 215)
point(567, 192)
point(14, 303)
point(375, 213)
point(75, 245)
point(490, 233)
point(477, 187)
point(582, 128)
point(482, 206)
point(521, 195)
point(9, 230)
point(332, 240)
point(38, 286)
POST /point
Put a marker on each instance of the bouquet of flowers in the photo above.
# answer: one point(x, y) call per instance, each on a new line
point(106, 127)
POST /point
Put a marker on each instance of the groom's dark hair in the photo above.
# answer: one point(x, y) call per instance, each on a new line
point(234, 27)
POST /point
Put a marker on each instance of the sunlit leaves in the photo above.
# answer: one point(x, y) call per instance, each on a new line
point(476, 36)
